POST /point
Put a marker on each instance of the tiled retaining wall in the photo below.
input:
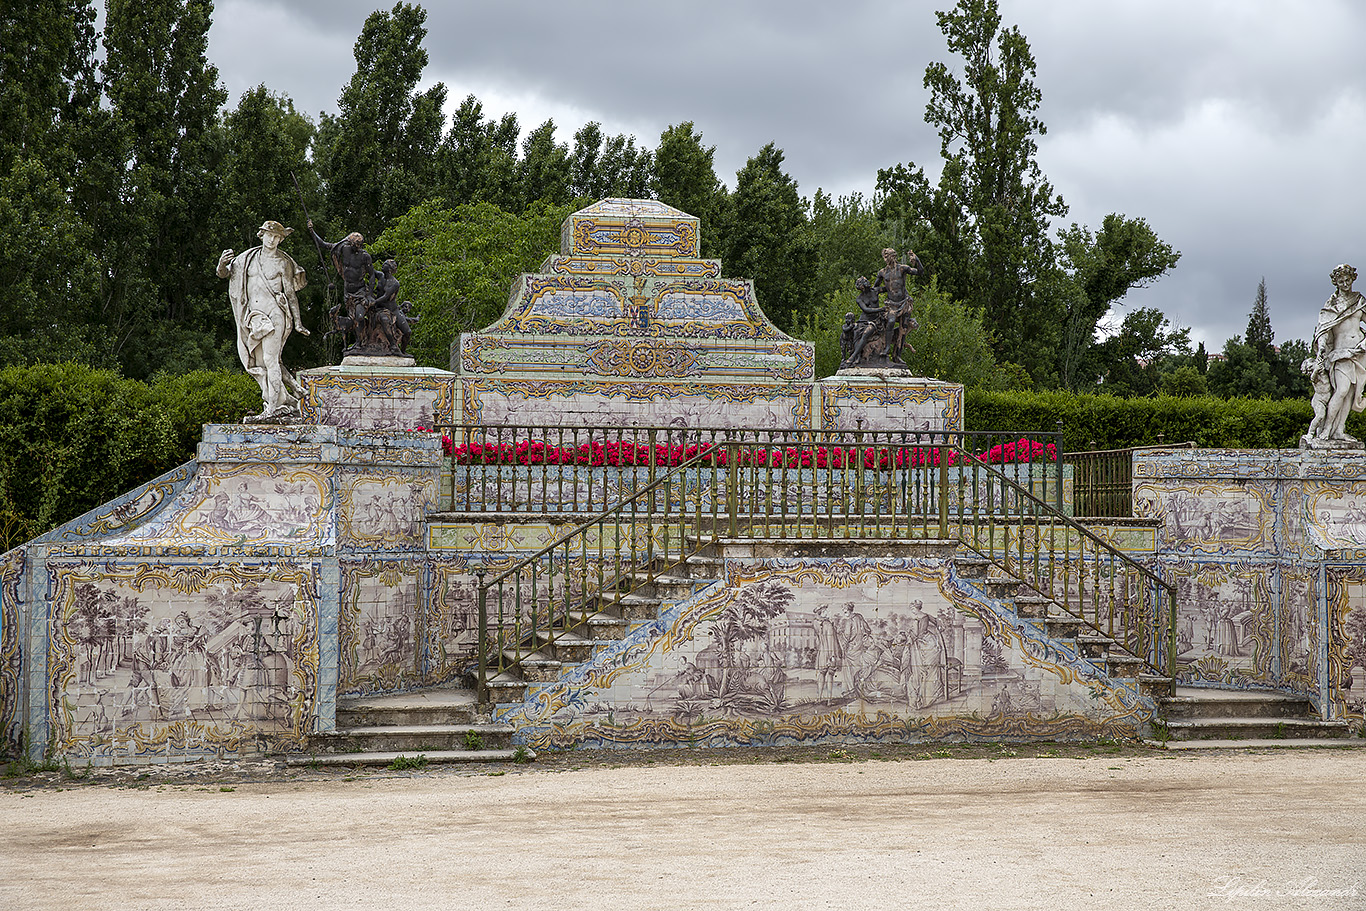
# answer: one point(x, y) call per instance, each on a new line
point(221, 609)
point(860, 643)
point(1268, 550)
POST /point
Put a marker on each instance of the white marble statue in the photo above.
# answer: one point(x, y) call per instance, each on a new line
point(262, 283)
point(1338, 365)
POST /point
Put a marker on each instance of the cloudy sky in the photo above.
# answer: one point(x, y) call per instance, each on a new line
point(1237, 128)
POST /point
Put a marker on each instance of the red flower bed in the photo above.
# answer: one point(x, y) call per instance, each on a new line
point(626, 454)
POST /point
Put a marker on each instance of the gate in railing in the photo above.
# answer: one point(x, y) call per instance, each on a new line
point(658, 495)
point(1102, 481)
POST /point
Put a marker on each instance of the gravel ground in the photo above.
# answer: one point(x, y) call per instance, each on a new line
point(991, 826)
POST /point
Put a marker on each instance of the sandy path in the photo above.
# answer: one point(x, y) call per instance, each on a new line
point(1160, 832)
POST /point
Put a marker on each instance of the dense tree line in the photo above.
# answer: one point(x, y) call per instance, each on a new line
point(123, 172)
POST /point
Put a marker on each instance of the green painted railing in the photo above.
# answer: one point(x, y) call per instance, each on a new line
point(1102, 481)
point(715, 484)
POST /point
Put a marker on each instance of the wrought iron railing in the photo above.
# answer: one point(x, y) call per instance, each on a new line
point(585, 470)
point(1058, 557)
point(552, 596)
point(792, 486)
point(1102, 481)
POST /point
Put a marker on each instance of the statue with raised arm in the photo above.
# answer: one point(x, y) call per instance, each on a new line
point(356, 269)
point(262, 286)
point(899, 321)
point(1338, 365)
point(880, 332)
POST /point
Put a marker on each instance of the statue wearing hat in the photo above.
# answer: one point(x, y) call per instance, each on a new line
point(1338, 366)
point(262, 286)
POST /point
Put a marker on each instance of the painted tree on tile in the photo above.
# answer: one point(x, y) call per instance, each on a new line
point(744, 619)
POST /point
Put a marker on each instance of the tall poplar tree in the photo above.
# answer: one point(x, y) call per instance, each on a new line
point(477, 160)
point(49, 103)
point(1259, 333)
point(684, 177)
point(163, 307)
point(378, 154)
point(766, 236)
point(983, 227)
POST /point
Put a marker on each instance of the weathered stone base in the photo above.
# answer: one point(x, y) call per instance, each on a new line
point(1349, 443)
point(378, 360)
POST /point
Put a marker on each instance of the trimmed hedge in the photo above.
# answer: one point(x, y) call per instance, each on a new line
point(1108, 422)
point(73, 437)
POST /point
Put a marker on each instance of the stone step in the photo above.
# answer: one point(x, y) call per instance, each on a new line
point(998, 588)
point(1199, 702)
point(1289, 743)
point(1255, 729)
point(606, 626)
point(413, 737)
point(1122, 664)
point(436, 705)
point(1093, 645)
point(571, 648)
point(701, 567)
point(1063, 626)
point(536, 667)
point(639, 607)
point(1033, 607)
point(507, 689)
point(1154, 685)
point(669, 588)
point(385, 758)
point(972, 567)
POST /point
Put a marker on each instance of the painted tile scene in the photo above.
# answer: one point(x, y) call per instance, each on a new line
point(168, 660)
point(791, 653)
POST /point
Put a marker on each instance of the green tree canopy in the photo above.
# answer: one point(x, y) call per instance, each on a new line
point(544, 170)
point(766, 237)
point(378, 154)
point(1145, 347)
point(1124, 254)
point(684, 177)
point(458, 265)
point(477, 160)
point(163, 305)
point(849, 240)
point(984, 226)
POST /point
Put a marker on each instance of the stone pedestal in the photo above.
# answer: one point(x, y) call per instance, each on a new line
point(873, 399)
point(366, 360)
point(379, 393)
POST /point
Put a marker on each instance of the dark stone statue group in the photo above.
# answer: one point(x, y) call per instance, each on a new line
point(370, 310)
point(874, 337)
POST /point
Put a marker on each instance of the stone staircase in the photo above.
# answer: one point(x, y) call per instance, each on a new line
point(615, 616)
point(1101, 650)
point(439, 724)
point(608, 619)
point(1199, 717)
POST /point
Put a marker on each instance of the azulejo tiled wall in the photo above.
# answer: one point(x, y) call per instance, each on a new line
point(167, 660)
point(221, 610)
point(1266, 548)
point(830, 649)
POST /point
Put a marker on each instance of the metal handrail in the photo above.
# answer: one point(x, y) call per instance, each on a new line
point(813, 484)
point(1103, 604)
point(1102, 480)
point(528, 622)
point(549, 468)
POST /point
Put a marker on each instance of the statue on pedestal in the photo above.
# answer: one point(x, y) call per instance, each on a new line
point(262, 286)
point(875, 339)
point(379, 325)
point(1338, 366)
